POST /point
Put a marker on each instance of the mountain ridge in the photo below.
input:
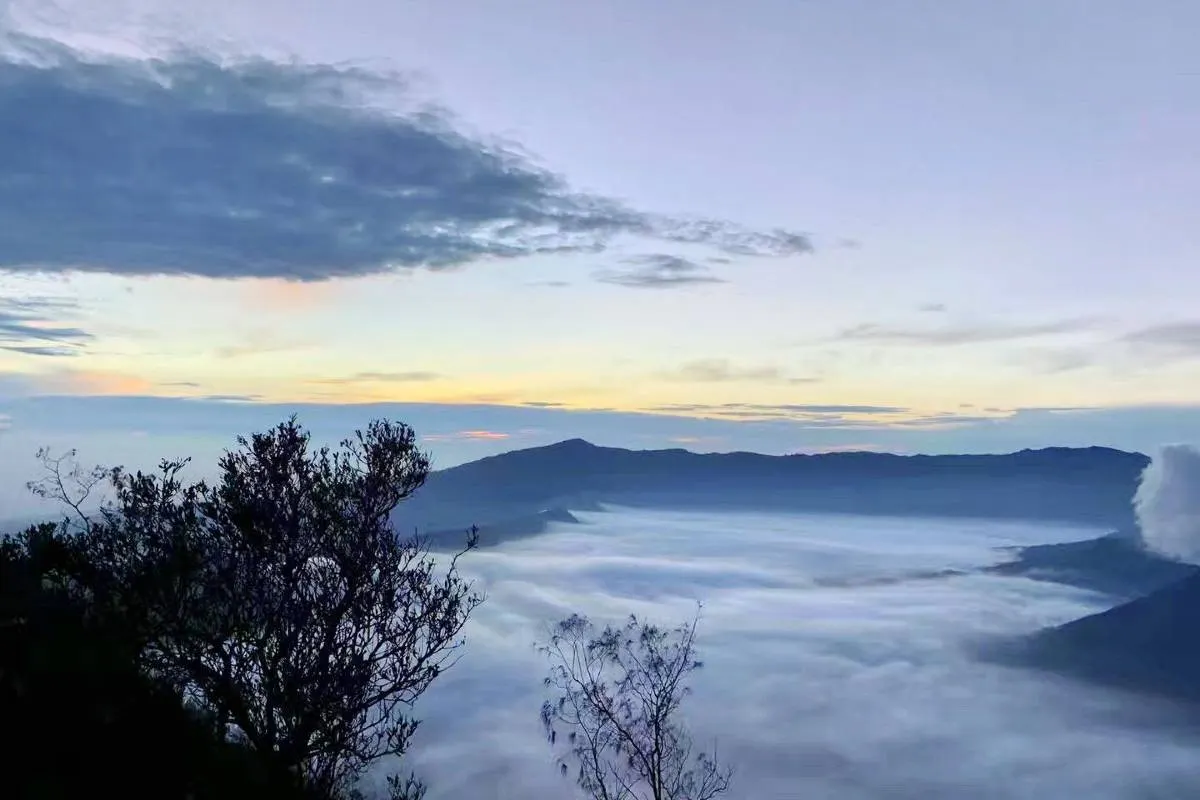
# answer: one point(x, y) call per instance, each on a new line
point(1146, 645)
point(1088, 486)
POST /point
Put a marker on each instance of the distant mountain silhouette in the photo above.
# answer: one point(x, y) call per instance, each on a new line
point(1116, 564)
point(1148, 645)
point(1092, 486)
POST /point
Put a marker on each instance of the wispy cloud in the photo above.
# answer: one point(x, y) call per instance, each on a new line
point(786, 407)
point(833, 416)
point(720, 370)
point(416, 376)
point(259, 342)
point(1178, 338)
point(196, 165)
point(658, 271)
point(950, 335)
point(489, 436)
point(29, 326)
point(232, 398)
point(1131, 352)
point(810, 415)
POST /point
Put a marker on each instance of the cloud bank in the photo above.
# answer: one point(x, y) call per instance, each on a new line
point(193, 164)
point(1168, 503)
point(835, 664)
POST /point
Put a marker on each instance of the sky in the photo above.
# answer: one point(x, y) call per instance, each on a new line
point(773, 225)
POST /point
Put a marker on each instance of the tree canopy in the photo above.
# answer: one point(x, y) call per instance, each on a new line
point(277, 602)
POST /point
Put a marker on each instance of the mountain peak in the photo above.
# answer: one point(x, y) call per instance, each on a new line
point(572, 444)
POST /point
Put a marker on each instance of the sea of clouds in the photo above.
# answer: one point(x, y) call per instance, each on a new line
point(837, 662)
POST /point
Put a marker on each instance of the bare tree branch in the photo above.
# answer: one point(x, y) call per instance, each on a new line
point(66, 482)
point(618, 692)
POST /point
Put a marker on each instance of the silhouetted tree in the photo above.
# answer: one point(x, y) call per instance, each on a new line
point(77, 716)
point(617, 694)
point(278, 599)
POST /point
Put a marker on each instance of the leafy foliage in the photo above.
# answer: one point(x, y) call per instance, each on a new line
point(278, 601)
point(618, 693)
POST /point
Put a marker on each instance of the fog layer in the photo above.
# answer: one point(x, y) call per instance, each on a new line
point(837, 661)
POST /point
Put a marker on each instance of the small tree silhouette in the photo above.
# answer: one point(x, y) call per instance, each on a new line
point(279, 601)
point(617, 694)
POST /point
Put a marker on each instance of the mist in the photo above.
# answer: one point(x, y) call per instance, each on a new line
point(837, 652)
point(1168, 503)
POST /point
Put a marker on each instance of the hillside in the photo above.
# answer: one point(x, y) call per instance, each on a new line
point(1147, 645)
point(1117, 564)
point(1090, 486)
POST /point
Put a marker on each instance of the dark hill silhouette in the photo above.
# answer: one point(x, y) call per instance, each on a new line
point(1117, 564)
point(1148, 645)
point(1090, 486)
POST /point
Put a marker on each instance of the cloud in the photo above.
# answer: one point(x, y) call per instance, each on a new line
point(775, 408)
point(488, 436)
point(1055, 361)
point(191, 164)
point(964, 334)
point(1177, 334)
point(1176, 341)
point(231, 398)
point(720, 370)
point(27, 326)
point(659, 271)
point(832, 668)
point(415, 376)
point(260, 342)
point(1168, 503)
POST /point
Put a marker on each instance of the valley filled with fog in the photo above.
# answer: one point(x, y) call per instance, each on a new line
point(838, 661)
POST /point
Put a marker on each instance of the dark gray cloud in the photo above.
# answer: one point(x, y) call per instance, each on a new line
point(194, 165)
point(964, 334)
point(658, 271)
point(720, 370)
point(29, 325)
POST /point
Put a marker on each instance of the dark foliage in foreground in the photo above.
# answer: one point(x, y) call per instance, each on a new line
point(80, 720)
point(272, 620)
